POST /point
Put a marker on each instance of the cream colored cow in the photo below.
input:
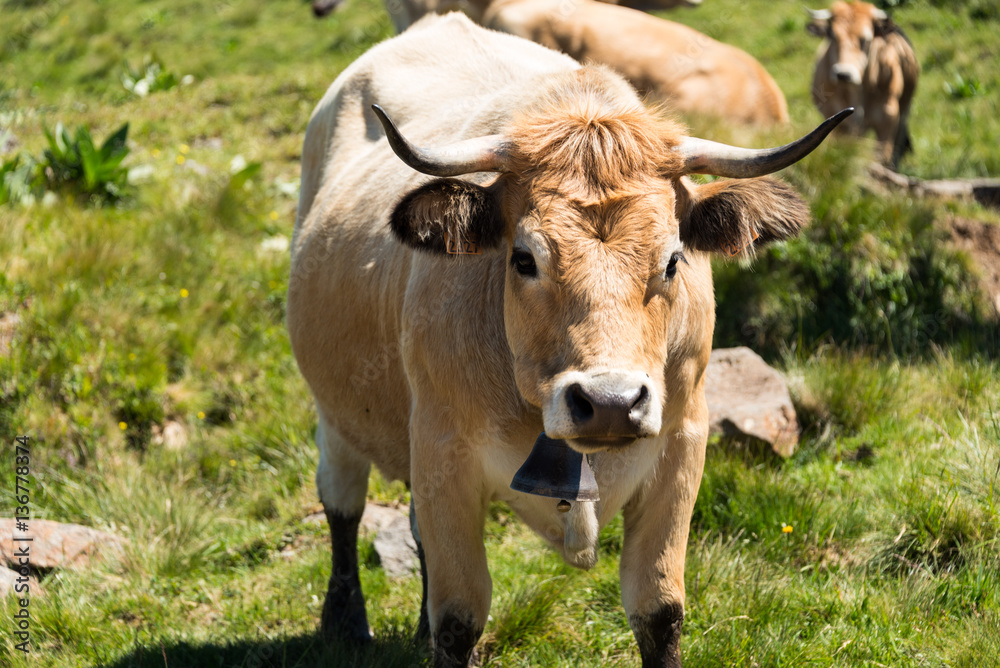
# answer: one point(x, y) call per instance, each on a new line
point(587, 312)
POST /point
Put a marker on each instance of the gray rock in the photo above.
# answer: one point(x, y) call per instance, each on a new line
point(747, 398)
point(57, 545)
point(396, 548)
point(394, 544)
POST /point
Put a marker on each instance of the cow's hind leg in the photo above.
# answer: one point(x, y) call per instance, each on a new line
point(342, 482)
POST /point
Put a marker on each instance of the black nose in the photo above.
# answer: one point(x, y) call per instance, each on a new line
point(607, 411)
point(843, 76)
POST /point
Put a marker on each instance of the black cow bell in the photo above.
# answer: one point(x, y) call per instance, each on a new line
point(556, 470)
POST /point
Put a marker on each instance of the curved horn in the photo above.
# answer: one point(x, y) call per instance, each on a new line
point(482, 154)
point(702, 156)
point(819, 14)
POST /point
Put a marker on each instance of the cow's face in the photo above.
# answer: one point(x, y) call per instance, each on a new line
point(602, 239)
point(850, 29)
point(589, 291)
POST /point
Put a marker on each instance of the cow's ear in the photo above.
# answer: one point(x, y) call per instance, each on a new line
point(449, 216)
point(735, 216)
point(819, 27)
point(883, 26)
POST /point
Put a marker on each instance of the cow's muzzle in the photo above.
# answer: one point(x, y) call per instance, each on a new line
point(607, 409)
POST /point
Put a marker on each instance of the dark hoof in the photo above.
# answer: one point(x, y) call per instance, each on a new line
point(344, 617)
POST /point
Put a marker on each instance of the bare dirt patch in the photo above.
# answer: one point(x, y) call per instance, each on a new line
point(981, 241)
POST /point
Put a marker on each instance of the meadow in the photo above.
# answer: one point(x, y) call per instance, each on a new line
point(148, 281)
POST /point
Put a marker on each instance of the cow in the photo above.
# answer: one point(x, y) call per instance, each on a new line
point(405, 12)
point(552, 277)
point(677, 65)
point(867, 62)
point(653, 5)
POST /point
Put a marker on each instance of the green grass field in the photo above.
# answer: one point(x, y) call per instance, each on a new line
point(167, 306)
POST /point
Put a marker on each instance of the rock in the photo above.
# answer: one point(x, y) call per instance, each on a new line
point(396, 548)
point(8, 580)
point(393, 542)
point(8, 327)
point(376, 517)
point(57, 545)
point(747, 398)
point(173, 435)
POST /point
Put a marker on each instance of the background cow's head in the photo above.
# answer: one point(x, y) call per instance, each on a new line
point(850, 27)
point(603, 238)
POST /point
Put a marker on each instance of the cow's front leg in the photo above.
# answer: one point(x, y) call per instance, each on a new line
point(342, 482)
point(450, 504)
point(657, 521)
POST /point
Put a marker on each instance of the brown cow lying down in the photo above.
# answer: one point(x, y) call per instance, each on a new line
point(866, 62)
point(691, 72)
point(653, 5)
point(555, 278)
point(406, 12)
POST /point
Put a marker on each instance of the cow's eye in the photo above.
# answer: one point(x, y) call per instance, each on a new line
point(523, 262)
point(672, 265)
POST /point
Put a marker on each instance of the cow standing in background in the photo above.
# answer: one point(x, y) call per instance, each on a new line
point(867, 63)
point(556, 277)
point(688, 71)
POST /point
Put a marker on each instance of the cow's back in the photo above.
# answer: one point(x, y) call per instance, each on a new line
point(441, 81)
point(689, 70)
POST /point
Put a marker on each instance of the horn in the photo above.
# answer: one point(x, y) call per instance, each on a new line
point(482, 154)
point(702, 156)
point(819, 14)
point(879, 15)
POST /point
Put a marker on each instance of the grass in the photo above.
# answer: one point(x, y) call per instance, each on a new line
point(166, 310)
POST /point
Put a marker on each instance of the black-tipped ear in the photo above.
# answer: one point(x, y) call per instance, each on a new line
point(819, 27)
point(883, 27)
point(733, 217)
point(449, 216)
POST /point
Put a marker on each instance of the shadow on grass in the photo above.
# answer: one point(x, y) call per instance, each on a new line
point(390, 649)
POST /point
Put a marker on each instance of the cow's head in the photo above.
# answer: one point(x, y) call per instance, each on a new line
point(850, 27)
point(602, 235)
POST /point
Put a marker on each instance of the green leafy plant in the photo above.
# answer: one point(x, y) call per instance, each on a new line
point(18, 179)
point(75, 163)
point(962, 87)
point(150, 78)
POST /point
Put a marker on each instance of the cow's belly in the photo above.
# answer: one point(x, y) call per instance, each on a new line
point(343, 306)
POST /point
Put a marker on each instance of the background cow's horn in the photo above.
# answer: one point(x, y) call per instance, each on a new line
point(819, 14)
point(482, 154)
point(702, 156)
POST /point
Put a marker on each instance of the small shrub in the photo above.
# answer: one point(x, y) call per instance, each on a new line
point(75, 164)
point(150, 78)
point(961, 87)
point(19, 180)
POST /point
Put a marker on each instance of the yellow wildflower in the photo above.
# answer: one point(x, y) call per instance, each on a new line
point(123, 426)
point(184, 293)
